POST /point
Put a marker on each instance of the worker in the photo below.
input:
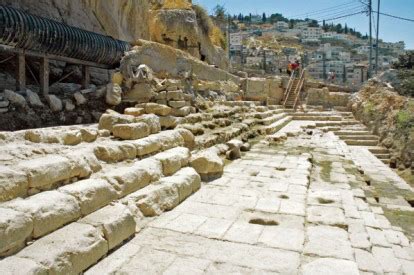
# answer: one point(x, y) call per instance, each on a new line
point(289, 68)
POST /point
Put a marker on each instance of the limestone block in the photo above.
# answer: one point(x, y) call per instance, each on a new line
point(151, 166)
point(72, 137)
point(161, 95)
point(84, 163)
point(79, 98)
point(131, 131)
point(15, 265)
point(157, 109)
point(168, 122)
point(255, 89)
point(245, 147)
point(126, 180)
point(177, 104)
point(147, 146)
point(47, 170)
point(152, 121)
point(115, 152)
point(69, 250)
point(113, 94)
point(49, 210)
point(108, 120)
point(141, 92)
point(196, 129)
point(173, 159)
point(54, 102)
point(134, 111)
point(339, 99)
point(15, 228)
point(233, 154)
point(15, 98)
point(114, 221)
point(175, 95)
point(89, 135)
point(153, 200)
point(189, 139)
point(234, 143)
point(117, 78)
point(187, 181)
point(182, 112)
point(13, 183)
point(208, 164)
point(317, 96)
point(33, 99)
point(69, 106)
point(91, 194)
point(170, 139)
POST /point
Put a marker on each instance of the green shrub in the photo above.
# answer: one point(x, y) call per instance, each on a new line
point(203, 19)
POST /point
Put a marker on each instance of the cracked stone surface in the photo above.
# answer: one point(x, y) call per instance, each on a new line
point(300, 207)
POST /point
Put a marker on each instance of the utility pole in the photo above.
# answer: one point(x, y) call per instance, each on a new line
point(377, 48)
point(370, 38)
point(324, 66)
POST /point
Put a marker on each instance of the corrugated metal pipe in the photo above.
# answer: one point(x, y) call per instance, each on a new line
point(23, 30)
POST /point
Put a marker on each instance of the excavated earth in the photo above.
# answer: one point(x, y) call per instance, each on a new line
point(239, 188)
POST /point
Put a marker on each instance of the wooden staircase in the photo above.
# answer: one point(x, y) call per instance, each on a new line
point(293, 90)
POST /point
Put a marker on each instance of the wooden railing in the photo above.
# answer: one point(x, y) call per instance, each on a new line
point(299, 88)
point(289, 87)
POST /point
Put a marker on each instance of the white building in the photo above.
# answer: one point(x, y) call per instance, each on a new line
point(282, 26)
point(334, 35)
point(311, 33)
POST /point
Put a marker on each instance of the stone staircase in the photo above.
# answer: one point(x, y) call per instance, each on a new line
point(351, 131)
point(290, 101)
point(80, 192)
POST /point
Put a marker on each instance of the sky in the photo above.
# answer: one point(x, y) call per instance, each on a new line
point(391, 30)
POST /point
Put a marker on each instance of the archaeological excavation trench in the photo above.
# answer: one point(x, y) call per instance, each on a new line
point(174, 166)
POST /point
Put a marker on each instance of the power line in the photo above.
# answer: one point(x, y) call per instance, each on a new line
point(341, 6)
point(396, 17)
point(337, 14)
point(343, 16)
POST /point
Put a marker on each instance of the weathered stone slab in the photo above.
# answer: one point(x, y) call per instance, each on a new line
point(91, 194)
point(13, 183)
point(16, 265)
point(69, 250)
point(173, 159)
point(115, 221)
point(329, 266)
point(48, 210)
point(15, 228)
point(131, 131)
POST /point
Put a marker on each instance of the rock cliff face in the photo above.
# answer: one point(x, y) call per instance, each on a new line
point(174, 23)
point(122, 19)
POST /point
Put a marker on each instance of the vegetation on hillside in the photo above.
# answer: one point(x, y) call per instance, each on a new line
point(405, 74)
point(209, 28)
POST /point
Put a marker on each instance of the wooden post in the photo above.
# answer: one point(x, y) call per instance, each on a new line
point(86, 77)
point(21, 72)
point(44, 76)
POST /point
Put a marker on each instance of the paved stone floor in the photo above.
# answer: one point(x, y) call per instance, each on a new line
point(294, 208)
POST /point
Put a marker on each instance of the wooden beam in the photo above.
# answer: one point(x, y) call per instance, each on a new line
point(44, 76)
point(55, 57)
point(86, 76)
point(21, 72)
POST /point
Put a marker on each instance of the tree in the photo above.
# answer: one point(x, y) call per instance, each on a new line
point(220, 12)
point(346, 30)
point(338, 28)
point(264, 18)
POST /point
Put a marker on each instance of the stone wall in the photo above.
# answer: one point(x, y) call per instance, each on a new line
point(170, 62)
point(323, 97)
point(263, 89)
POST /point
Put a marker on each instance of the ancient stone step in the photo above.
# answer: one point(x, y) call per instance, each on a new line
point(361, 142)
point(383, 156)
point(272, 119)
point(317, 118)
point(378, 150)
point(276, 126)
point(359, 137)
point(351, 133)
